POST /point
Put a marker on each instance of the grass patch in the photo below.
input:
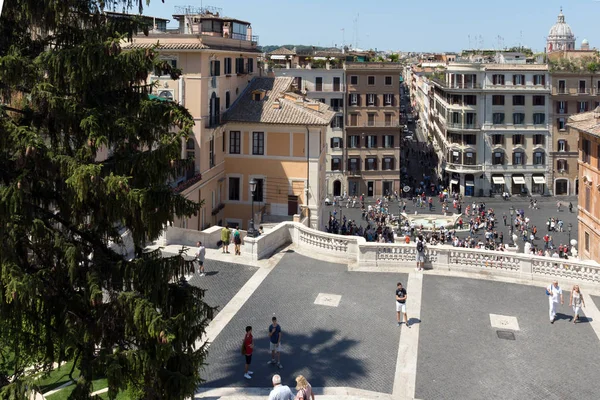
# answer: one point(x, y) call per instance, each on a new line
point(56, 377)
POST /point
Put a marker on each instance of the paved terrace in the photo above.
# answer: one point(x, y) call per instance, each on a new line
point(338, 319)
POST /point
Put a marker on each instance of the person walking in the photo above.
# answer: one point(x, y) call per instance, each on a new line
point(304, 389)
point(247, 349)
point(275, 342)
point(554, 293)
point(237, 242)
point(401, 305)
point(420, 253)
point(200, 255)
point(576, 301)
point(280, 392)
point(225, 238)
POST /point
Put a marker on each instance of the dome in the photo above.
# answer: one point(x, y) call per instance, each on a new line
point(585, 41)
point(561, 29)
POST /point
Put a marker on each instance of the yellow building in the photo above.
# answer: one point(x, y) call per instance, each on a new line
point(218, 57)
point(276, 137)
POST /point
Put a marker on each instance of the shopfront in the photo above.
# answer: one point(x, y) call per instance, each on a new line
point(518, 185)
point(498, 184)
point(538, 184)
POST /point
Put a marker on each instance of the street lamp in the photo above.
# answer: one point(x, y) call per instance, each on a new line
point(251, 230)
point(569, 229)
point(511, 210)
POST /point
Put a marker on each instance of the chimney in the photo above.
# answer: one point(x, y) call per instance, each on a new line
point(276, 105)
point(313, 106)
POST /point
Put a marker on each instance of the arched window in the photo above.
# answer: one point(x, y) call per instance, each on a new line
point(562, 165)
point(539, 158)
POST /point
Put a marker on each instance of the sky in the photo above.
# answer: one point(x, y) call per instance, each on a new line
point(404, 25)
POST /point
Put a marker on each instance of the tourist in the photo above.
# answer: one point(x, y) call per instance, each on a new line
point(554, 293)
point(225, 238)
point(280, 392)
point(401, 305)
point(275, 342)
point(420, 253)
point(247, 348)
point(200, 255)
point(304, 389)
point(576, 301)
point(237, 242)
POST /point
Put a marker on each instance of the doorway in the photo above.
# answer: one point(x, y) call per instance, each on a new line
point(337, 188)
point(388, 188)
point(292, 205)
point(370, 188)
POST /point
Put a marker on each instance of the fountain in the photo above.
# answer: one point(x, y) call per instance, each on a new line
point(429, 221)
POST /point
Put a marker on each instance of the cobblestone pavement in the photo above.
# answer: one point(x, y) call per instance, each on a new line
point(354, 344)
point(461, 357)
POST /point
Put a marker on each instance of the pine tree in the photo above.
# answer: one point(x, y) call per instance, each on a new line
point(67, 94)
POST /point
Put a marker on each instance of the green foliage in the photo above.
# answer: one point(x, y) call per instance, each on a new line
point(69, 94)
point(575, 65)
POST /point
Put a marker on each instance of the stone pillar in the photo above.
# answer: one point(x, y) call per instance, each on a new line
point(528, 182)
point(508, 183)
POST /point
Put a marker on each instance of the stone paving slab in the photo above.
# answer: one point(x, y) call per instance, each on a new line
point(461, 357)
point(352, 345)
point(596, 300)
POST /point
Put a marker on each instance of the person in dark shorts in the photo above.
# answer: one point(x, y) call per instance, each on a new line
point(401, 305)
point(247, 348)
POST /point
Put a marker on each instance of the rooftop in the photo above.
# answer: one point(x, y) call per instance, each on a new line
point(588, 122)
point(278, 105)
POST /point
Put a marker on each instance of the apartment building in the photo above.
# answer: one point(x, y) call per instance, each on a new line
point(587, 127)
point(490, 123)
point(278, 138)
point(322, 78)
point(372, 135)
point(218, 56)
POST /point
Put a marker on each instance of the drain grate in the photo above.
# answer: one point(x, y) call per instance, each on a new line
point(506, 335)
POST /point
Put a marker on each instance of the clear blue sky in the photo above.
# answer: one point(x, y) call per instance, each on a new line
point(406, 25)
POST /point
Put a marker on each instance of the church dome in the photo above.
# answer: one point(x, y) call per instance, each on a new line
point(585, 41)
point(561, 29)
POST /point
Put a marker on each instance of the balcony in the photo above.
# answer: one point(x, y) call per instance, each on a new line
point(462, 126)
point(513, 127)
point(464, 168)
point(583, 91)
point(510, 86)
point(245, 37)
point(354, 172)
point(520, 168)
point(381, 124)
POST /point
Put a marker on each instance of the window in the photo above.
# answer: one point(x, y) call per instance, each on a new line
point(371, 81)
point(469, 158)
point(371, 164)
point(227, 99)
point(588, 198)
point(256, 97)
point(215, 68)
point(211, 152)
point(455, 157)
point(497, 140)
point(498, 118)
point(190, 147)
point(234, 142)
point(318, 84)
point(388, 119)
point(539, 118)
point(354, 164)
point(562, 165)
point(251, 70)
point(518, 79)
point(598, 156)
point(234, 189)
point(388, 81)
point(585, 151)
point(353, 141)
point(353, 119)
point(258, 194)
point(582, 106)
point(227, 70)
point(470, 120)
point(582, 87)
point(370, 99)
point(562, 107)
point(455, 138)
point(562, 87)
point(518, 100)
point(336, 83)
point(560, 123)
point(539, 140)
point(518, 158)
point(518, 118)
point(370, 119)
point(239, 65)
point(336, 143)
point(587, 240)
point(538, 100)
point(518, 139)
point(337, 122)
point(470, 100)
point(562, 145)
point(498, 79)
point(258, 143)
point(336, 164)
point(353, 99)
point(388, 141)
point(354, 80)
point(470, 139)
point(387, 164)
point(371, 142)
point(539, 80)
point(538, 158)
point(497, 100)
point(387, 99)
point(498, 158)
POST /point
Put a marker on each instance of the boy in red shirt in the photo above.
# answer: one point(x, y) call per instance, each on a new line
point(248, 346)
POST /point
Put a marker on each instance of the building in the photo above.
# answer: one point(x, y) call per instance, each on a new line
point(372, 135)
point(560, 36)
point(587, 126)
point(278, 138)
point(218, 57)
point(322, 78)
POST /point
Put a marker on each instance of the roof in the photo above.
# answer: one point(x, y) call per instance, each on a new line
point(588, 122)
point(282, 51)
point(516, 67)
point(183, 45)
point(290, 112)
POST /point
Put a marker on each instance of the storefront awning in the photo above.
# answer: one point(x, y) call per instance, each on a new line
point(498, 180)
point(519, 180)
point(454, 182)
point(469, 184)
point(540, 180)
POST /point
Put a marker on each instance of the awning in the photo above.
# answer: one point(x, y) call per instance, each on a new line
point(539, 180)
point(454, 182)
point(276, 57)
point(519, 180)
point(470, 183)
point(498, 180)
point(455, 153)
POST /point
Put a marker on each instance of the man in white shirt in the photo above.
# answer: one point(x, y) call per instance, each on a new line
point(280, 392)
point(554, 294)
point(200, 255)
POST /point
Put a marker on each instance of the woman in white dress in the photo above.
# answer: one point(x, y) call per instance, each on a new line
point(576, 302)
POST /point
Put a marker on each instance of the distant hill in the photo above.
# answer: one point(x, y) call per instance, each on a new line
point(300, 48)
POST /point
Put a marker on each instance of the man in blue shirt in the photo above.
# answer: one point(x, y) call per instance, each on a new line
point(275, 341)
